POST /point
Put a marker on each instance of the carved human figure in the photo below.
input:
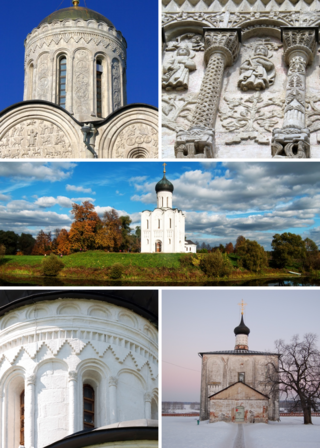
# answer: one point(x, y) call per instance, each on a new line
point(257, 72)
point(176, 70)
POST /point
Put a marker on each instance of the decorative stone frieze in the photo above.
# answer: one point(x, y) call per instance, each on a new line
point(293, 140)
point(221, 50)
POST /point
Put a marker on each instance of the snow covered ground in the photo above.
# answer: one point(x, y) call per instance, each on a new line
point(183, 432)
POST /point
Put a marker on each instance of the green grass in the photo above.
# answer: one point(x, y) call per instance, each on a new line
point(100, 259)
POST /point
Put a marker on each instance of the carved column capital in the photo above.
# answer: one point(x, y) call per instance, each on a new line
point(299, 42)
point(222, 40)
point(73, 375)
point(31, 380)
point(148, 396)
point(113, 381)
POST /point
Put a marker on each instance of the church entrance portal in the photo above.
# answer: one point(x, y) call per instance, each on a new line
point(158, 246)
point(239, 414)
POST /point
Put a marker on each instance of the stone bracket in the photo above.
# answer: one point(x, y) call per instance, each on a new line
point(196, 142)
point(291, 143)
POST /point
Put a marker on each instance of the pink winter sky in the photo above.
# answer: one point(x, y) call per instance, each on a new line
point(196, 321)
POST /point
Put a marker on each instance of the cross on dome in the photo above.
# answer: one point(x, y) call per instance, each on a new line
point(242, 304)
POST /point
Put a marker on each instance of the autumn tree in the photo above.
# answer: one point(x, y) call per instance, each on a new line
point(253, 256)
point(229, 248)
point(63, 242)
point(109, 235)
point(84, 229)
point(312, 260)
point(297, 376)
point(125, 231)
point(43, 243)
point(240, 241)
point(287, 248)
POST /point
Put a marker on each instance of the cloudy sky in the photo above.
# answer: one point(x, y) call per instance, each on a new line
point(203, 320)
point(138, 22)
point(221, 200)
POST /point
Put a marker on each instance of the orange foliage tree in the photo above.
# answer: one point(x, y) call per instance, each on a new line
point(63, 242)
point(43, 244)
point(84, 229)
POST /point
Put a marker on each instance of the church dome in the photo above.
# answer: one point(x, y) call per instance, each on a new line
point(164, 185)
point(74, 13)
point(241, 328)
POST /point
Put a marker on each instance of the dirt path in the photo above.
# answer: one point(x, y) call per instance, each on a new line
point(239, 440)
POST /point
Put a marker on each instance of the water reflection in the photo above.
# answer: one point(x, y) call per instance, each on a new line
point(46, 281)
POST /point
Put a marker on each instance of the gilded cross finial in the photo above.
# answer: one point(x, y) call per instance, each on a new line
point(75, 2)
point(242, 304)
point(164, 168)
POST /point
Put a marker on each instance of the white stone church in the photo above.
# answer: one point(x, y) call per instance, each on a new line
point(75, 102)
point(163, 229)
point(78, 369)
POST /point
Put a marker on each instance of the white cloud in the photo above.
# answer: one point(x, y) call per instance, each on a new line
point(37, 171)
point(82, 189)
point(50, 201)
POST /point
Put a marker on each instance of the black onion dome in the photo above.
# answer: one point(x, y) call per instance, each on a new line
point(164, 185)
point(241, 328)
point(74, 13)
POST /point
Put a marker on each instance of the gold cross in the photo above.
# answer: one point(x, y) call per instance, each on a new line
point(242, 304)
point(164, 168)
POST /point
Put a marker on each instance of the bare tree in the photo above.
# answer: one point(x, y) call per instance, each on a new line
point(298, 375)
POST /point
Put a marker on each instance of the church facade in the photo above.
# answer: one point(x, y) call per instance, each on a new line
point(75, 102)
point(163, 229)
point(240, 79)
point(78, 368)
point(234, 387)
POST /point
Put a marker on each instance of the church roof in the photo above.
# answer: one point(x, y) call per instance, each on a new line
point(189, 242)
point(143, 302)
point(129, 431)
point(237, 352)
point(74, 13)
point(243, 384)
point(164, 185)
point(242, 328)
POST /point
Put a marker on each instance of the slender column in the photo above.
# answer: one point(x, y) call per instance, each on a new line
point(293, 140)
point(113, 398)
point(147, 405)
point(2, 427)
point(221, 50)
point(29, 398)
point(72, 380)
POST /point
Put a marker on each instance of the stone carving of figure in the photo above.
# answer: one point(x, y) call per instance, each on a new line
point(176, 70)
point(258, 72)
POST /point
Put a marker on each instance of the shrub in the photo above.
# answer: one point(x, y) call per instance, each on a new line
point(52, 265)
point(116, 271)
point(253, 256)
point(216, 264)
point(2, 250)
point(186, 260)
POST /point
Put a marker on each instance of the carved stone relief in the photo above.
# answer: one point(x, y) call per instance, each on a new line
point(43, 77)
point(137, 141)
point(34, 139)
point(81, 81)
point(116, 89)
point(246, 118)
point(177, 110)
point(258, 71)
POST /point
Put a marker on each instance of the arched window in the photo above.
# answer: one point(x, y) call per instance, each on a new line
point(147, 223)
point(162, 202)
point(99, 88)
point(170, 223)
point(147, 241)
point(158, 223)
point(169, 241)
point(88, 407)
point(167, 202)
point(30, 82)
point(62, 81)
point(22, 418)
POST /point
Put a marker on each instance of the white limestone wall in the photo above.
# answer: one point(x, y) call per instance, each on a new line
point(190, 248)
point(220, 371)
point(164, 199)
point(52, 348)
point(241, 339)
point(82, 43)
point(155, 226)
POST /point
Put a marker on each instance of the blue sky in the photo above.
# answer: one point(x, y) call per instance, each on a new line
point(138, 22)
point(221, 200)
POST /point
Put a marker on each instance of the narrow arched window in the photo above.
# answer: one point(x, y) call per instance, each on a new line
point(147, 241)
point(147, 223)
point(162, 202)
point(169, 241)
point(170, 223)
point(167, 202)
point(30, 82)
point(99, 88)
point(22, 418)
point(88, 407)
point(158, 223)
point(62, 81)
